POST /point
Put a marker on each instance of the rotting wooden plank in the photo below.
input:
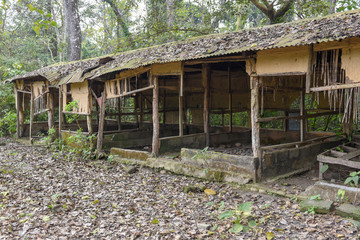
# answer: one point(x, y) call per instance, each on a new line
point(297, 144)
point(155, 115)
point(351, 155)
point(332, 160)
point(337, 153)
point(335, 87)
point(100, 136)
point(350, 149)
point(281, 74)
point(255, 125)
point(206, 84)
point(297, 117)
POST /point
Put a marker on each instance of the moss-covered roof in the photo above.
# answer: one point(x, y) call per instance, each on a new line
point(303, 32)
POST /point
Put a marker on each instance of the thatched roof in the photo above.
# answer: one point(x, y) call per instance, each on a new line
point(304, 32)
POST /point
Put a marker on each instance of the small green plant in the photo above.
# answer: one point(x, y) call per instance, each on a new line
point(353, 180)
point(243, 220)
point(200, 153)
point(50, 137)
point(311, 210)
point(340, 195)
point(70, 107)
point(8, 124)
point(315, 197)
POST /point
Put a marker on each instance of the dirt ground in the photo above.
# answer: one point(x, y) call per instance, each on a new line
point(45, 196)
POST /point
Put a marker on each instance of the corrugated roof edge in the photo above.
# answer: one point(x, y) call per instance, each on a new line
point(93, 61)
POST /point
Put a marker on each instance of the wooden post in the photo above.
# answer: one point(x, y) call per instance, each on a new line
point(88, 117)
point(255, 126)
point(230, 98)
point(309, 69)
point(119, 113)
point(18, 104)
point(206, 83)
point(31, 114)
point(61, 115)
point(51, 112)
point(141, 99)
point(155, 116)
point(181, 103)
point(100, 136)
point(302, 112)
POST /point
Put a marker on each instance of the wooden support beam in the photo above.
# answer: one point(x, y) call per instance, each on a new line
point(100, 136)
point(230, 98)
point(281, 74)
point(61, 115)
point(31, 116)
point(51, 112)
point(255, 125)
point(18, 104)
point(181, 101)
point(302, 113)
point(88, 118)
point(309, 69)
point(119, 113)
point(305, 116)
point(206, 84)
point(335, 87)
point(155, 115)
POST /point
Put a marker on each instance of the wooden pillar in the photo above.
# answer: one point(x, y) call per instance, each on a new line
point(119, 113)
point(181, 103)
point(255, 126)
point(155, 116)
point(309, 69)
point(31, 114)
point(61, 115)
point(141, 100)
point(51, 112)
point(302, 112)
point(18, 104)
point(206, 83)
point(100, 136)
point(88, 117)
point(230, 98)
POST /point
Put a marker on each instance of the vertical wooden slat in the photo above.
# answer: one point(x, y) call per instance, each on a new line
point(155, 113)
point(230, 98)
point(18, 104)
point(302, 112)
point(88, 117)
point(51, 112)
point(206, 84)
point(119, 113)
point(100, 136)
point(31, 114)
point(181, 102)
point(61, 115)
point(309, 69)
point(255, 126)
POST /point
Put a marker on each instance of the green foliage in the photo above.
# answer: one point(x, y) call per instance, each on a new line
point(353, 179)
point(315, 197)
point(242, 218)
point(8, 124)
point(324, 168)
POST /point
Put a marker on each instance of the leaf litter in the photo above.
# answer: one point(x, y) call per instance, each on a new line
point(44, 197)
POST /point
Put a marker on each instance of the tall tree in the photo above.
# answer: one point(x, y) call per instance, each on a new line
point(73, 29)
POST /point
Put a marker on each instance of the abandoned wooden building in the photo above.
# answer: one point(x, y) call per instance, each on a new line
point(163, 98)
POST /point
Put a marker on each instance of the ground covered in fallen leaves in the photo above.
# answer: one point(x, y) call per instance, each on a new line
point(45, 196)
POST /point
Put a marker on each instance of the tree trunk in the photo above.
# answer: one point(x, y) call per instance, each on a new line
point(72, 20)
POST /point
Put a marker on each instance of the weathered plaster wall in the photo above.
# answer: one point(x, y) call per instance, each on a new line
point(291, 59)
point(350, 60)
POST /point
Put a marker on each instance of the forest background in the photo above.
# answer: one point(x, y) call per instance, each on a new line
point(38, 33)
